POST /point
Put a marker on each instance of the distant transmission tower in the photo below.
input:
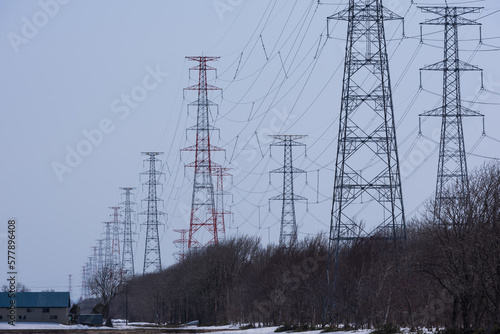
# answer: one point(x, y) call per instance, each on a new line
point(95, 261)
point(128, 253)
point(182, 244)
point(108, 249)
point(90, 266)
point(203, 229)
point(85, 291)
point(100, 255)
point(70, 276)
point(152, 255)
point(367, 188)
point(115, 243)
point(288, 230)
point(220, 195)
point(452, 165)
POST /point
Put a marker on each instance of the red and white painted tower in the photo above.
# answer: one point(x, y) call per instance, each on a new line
point(203, 229)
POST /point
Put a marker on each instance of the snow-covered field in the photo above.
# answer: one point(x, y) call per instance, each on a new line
point(45, 325)
point(230, 329)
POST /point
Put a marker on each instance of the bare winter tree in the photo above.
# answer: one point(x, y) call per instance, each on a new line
point(460, 250)
point(20, 287)
point(486, 209)
point(106, 285)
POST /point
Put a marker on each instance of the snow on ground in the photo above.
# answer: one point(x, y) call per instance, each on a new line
point(45, 325)
point(228, 329)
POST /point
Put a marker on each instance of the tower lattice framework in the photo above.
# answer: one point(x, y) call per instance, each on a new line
point(100, 255)
point(220, 195)
point(108, 249)
point(115, 258)
point(367, 197)
point(182, 244)
point(203, 229)
point(95, 260)
point(452, 165)
point(288, 229)
point(70, 288)
point(85, 292)
point(152, 255)
point(128, 252)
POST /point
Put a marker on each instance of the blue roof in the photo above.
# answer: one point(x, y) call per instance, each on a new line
point(36, 299)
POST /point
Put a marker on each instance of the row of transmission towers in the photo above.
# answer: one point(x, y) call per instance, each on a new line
point(207, 216)
point(367, 195)
point(108, 252)
point(115, 250)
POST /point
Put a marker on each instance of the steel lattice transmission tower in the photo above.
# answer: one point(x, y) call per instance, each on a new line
point(70, 278)
point(288, 230)
point(452, 165)
point(128, 253)
point(90, 267)
point(115, 242)
point(367, 187)
point(203, 229)
point(95, 260)
point(100, 255)
point(182, 244)
point(85, 293)
point(152, 255)
point(108, 249)
point(220, 194)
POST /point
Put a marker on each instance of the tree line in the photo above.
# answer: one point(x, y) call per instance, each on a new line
point(446, 274)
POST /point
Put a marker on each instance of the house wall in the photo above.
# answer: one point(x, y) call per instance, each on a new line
point(55, 315)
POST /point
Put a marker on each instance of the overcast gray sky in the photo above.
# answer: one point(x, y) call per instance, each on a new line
point(69, 68)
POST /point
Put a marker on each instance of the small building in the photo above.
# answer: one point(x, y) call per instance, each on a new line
point(36, 307)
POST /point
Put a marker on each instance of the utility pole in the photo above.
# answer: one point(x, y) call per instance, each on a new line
point(203, 229)
point(152, 255)
point(288, 230)
point(452, 165)
point(367, 185)
point(128, 253)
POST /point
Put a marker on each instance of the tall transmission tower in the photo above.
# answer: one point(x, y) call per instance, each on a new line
point(452, 165)
point(128, 253)
point(367, 195)
point(288, 230)
point(152, 255)
point(115, 243)
point(367, 187)
point(203, 229)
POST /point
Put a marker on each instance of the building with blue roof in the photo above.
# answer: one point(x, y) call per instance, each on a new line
point(35, 307)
